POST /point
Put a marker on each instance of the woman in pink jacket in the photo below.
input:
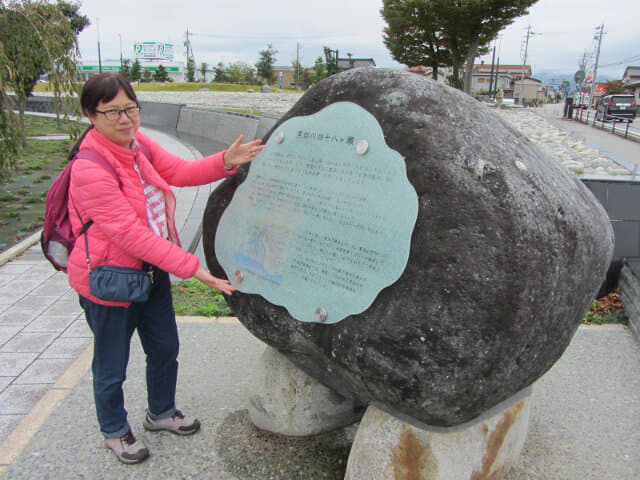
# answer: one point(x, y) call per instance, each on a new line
point(134, 226)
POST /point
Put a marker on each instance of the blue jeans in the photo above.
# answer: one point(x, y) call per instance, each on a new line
point(112, 329)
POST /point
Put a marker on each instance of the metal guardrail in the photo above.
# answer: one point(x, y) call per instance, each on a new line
point(617, 122)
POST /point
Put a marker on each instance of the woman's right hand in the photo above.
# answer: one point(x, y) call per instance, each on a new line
point(218, 283)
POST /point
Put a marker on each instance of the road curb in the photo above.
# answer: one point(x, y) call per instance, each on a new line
point(20, 248)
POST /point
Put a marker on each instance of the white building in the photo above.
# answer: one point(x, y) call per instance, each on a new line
point(149, 54)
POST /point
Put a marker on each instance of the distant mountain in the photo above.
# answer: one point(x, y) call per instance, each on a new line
point(556, 78)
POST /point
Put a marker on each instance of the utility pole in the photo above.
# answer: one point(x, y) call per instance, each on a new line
point(99, 55)
point(599, 33)
point(187, 44)
point(530, 33)
point(493, 61)
point(297, 66)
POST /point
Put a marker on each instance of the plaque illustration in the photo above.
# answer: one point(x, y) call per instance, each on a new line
point(261, 253)
point(324, 219)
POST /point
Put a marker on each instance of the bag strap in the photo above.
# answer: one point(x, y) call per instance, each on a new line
point(95, 157)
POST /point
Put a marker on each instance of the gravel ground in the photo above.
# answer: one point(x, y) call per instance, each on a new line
point(273, 103)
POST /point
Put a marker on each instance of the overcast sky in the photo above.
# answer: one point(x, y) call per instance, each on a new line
point(237, 31)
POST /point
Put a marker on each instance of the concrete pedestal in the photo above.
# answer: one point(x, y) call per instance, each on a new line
point(289, 402)
point(386, 448)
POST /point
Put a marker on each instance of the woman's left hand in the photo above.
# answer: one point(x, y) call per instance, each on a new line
point(239, 153)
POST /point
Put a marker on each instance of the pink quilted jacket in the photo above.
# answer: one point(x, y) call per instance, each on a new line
point(120, 234)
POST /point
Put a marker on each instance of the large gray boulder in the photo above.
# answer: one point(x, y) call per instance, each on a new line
point(508, 251)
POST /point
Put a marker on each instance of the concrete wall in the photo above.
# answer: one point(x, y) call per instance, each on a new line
point(223, 126)
point(619, 196)
point(160, 115)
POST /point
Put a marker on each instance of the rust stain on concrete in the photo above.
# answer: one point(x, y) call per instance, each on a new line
point(412, 459)
point(495, 441)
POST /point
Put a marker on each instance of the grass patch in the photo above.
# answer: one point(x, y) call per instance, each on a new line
point(607, 309)
point(193, 298)
point(193, 87)
point(35, 126)
point(22, 196)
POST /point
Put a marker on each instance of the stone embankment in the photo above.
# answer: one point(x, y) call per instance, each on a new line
point(573, 153)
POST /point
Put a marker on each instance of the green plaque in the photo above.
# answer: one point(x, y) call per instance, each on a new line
point(324, 219)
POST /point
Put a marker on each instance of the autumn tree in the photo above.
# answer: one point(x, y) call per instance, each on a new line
point(264, 66)
point(614, 86)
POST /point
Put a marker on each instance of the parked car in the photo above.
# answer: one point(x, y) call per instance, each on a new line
point(617, 107)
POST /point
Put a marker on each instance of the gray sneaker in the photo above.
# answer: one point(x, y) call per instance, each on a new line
point(127, 448)
point(177, 423)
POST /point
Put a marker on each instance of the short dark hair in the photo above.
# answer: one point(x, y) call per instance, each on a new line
point(103, 88)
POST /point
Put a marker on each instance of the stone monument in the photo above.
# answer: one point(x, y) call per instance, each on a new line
point(412, 252)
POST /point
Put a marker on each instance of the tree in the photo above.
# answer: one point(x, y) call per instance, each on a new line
point(300, 75)
point(146, 76)
point(331, 57)
point(191, 70)
point(36, 38)
point(264, 67)
point(125, 67)
point(446, 32)
point(476, 23)
point(161, 74)
point(415, 33)
point(136, 71)
point(319, 71)
point(241, 72)
point(204, 68)
point(614, 86)
point(220, 73)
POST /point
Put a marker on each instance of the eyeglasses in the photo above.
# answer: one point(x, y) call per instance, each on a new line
point(115, 113)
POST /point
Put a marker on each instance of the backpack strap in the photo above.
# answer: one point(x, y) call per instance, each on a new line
point(95, 157)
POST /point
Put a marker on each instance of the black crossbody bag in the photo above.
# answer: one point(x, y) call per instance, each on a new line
point(112, 283)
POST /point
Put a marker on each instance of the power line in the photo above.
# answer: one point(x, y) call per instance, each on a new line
point(264, 35)
point(621, 62)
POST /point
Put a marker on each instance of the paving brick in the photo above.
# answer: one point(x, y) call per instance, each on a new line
point(80, 328)
point(50, 323)
point(5, 381)
point(26, 342)
point(46, 370)
point(66, 347)
point(64, 307)
point(7, 332)
point(12, 364)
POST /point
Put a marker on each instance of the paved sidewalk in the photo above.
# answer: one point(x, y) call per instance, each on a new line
point(585, 421)
point(623, 151)
point(42, 326)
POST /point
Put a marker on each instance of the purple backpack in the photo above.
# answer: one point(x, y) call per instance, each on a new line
point(57, 238)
